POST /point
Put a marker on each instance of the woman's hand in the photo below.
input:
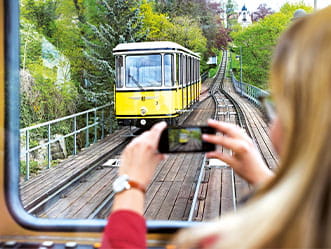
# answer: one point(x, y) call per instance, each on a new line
point(245, 159)
point(140, 158)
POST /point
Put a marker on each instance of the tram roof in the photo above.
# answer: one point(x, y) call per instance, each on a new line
point(157, 45)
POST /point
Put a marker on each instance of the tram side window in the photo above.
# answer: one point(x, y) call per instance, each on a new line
point(168, 70)
point(188, 64)
point(143, 71)
point(119, 71)
point(177, 70)
point(194, 70)
point(183, 69)
point(199, 70)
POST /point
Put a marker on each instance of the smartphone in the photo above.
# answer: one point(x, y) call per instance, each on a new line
point(185, 139)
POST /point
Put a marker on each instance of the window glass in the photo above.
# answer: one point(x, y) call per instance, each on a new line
point(143, 71)
point(183, 68)
point(120, 73)
point(70, 118)
point(194, 70)
point(177, 70)
point(188, 70)
point(168, 70)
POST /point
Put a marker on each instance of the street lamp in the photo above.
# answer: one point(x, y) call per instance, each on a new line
point(241, 68)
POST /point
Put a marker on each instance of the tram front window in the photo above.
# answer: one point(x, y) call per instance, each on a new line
point(143, 71)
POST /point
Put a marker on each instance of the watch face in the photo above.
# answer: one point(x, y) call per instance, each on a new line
point(121, 183)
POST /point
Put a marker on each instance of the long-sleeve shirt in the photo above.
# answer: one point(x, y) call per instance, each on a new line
point(127, 229)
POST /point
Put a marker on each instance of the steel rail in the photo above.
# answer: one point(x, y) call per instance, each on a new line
point(213, 91)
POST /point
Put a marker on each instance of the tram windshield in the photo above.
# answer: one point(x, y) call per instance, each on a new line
point(143, 71)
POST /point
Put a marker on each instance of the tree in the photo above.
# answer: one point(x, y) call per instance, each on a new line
point(258, 41)
point(205, 13)
point(156, 24)
point(187, 32)
point(231, 15)
point(39, 78)
point(115, 21)
point(261, 12)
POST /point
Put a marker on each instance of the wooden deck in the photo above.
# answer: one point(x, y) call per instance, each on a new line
point(44, 184)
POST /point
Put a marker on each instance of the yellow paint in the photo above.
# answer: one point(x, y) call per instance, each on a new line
point(155, 103)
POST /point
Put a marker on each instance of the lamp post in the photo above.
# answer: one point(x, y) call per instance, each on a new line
point(241, 66)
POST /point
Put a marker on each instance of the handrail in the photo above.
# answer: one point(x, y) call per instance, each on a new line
point(97, 121)
point(249, 91)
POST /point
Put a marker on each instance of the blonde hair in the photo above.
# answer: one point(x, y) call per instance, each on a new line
point(294, 210)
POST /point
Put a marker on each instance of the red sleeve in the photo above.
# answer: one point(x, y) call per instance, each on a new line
point(208, 242)
point(125, 229)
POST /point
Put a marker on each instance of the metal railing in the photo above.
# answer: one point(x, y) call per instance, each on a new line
point(94, 119)
point(249, 91)
point(204, 76)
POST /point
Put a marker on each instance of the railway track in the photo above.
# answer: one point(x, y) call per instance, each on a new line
point(185, 186)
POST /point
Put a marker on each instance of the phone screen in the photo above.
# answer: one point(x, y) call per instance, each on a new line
point(185, 139)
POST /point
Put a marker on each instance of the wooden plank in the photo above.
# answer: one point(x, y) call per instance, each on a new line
point(158, 200)
point(171, 197)
point(95, 188)
point(227, 192)
point(213, 202)
point(164, 170)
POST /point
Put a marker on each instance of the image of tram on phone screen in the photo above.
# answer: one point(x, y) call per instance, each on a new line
point(185, 139)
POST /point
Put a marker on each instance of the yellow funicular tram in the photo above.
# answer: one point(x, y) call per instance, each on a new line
point(155, 81)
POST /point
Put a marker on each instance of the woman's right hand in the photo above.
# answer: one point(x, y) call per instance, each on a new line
point(140, 157)
point(245, 158)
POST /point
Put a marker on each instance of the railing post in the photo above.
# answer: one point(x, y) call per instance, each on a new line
point(95, 126)
point(27, 155)
point(87, 142)
point(49, 154)
point(75, 135)
point(102, 123)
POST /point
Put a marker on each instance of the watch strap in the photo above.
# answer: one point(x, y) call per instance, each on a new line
point(137, 185)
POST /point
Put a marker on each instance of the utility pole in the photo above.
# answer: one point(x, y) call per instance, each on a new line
point(315, 5)
point(241, 70)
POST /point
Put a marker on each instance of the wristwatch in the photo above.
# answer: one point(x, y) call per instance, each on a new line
point(123, 182)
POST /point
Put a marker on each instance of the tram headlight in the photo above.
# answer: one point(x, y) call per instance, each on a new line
point(143, 122)
point(143, 111)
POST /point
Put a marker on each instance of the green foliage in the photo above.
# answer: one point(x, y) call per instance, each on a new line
point(213, 71)
point(116, 21)
point(187, 32)
point(258, 41)
point(47, 100)
point(42, 14)
point(157, 25)
point(204, 13)
point(30, 44)
point(33, 166)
